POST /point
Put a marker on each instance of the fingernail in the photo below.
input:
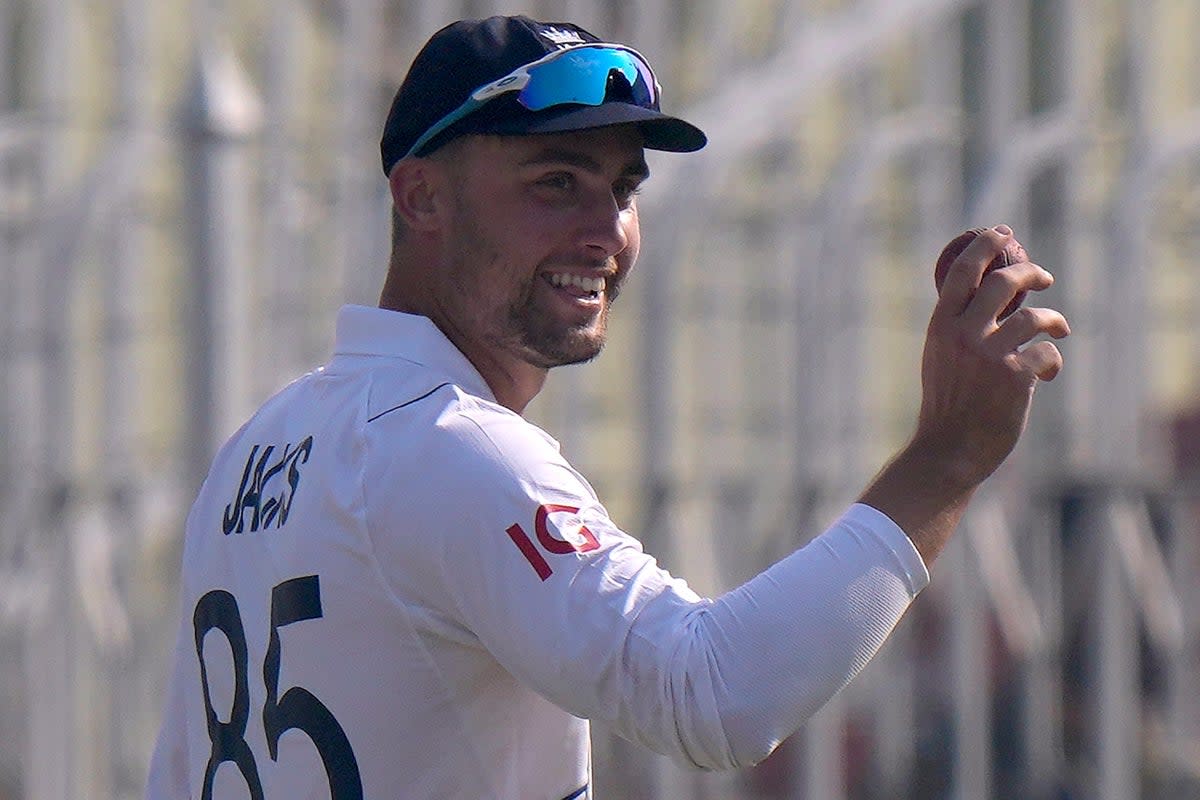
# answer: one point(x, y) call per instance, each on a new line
point(1003, 230)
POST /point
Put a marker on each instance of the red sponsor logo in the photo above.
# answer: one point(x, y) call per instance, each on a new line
point(559, 534)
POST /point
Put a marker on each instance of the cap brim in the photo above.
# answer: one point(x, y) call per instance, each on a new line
point(660, 131)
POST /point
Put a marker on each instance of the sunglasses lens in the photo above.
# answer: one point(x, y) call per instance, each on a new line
point(584, 76)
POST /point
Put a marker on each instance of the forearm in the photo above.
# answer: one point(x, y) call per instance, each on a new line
point(923, 496)
point(770, 653)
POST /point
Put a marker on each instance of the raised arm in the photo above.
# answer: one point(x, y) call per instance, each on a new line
point(978, 378)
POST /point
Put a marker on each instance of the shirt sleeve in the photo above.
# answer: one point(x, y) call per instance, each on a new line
point(517, 550)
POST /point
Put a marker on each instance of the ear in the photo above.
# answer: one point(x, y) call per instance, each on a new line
point(414, 183)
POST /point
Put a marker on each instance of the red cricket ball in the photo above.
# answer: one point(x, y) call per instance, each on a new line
point(1013, 253)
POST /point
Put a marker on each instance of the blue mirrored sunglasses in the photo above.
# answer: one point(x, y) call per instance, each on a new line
point(578, 74)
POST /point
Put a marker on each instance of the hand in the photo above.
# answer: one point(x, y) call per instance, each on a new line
point(977, 381)
point(979, 375)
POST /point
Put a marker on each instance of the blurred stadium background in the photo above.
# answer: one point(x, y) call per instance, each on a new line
point(189, 189)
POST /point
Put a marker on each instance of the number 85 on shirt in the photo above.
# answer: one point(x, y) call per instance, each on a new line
point(292, 601)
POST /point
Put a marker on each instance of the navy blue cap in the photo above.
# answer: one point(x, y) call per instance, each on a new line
point(468, 54)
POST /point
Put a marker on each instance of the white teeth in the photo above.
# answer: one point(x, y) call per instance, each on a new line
point(591, 285)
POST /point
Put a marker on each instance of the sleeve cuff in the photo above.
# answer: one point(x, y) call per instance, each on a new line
point(896, 541)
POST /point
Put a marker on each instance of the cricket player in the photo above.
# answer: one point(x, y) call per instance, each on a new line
point(394, 586)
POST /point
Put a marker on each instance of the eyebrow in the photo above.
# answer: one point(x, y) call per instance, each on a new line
point(556, 155)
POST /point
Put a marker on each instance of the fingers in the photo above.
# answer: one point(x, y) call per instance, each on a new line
point(973, 297)
point(1042, 359)
point(1021, 328)
point(1000, 286)
point(966, 271)
point(973, 290)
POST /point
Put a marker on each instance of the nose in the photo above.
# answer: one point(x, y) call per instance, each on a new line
point(607, 228)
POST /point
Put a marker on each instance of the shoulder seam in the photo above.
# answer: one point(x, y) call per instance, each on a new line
point(408, 402)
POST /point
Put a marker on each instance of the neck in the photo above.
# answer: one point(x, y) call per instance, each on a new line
point(513, 382)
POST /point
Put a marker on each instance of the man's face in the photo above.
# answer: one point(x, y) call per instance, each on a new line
point(544, 229)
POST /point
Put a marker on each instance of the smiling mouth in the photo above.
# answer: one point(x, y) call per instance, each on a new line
point(578, 285)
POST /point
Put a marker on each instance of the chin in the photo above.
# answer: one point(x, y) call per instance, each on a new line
point(579, 358)
point(574, 348)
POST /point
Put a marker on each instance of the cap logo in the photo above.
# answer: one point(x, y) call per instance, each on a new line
point(561, 37)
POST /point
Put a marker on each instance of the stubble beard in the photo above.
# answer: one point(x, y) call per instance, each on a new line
point(549, 342)
point(527, 329)
point(543, 340)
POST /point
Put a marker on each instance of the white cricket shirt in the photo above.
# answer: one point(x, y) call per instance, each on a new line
point(393, 587)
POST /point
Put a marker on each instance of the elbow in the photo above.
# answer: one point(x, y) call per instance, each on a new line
point(721, 724)
point(752, 737)
point(755, 720)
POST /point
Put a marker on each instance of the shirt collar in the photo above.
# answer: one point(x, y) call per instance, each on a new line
point(367, 331)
